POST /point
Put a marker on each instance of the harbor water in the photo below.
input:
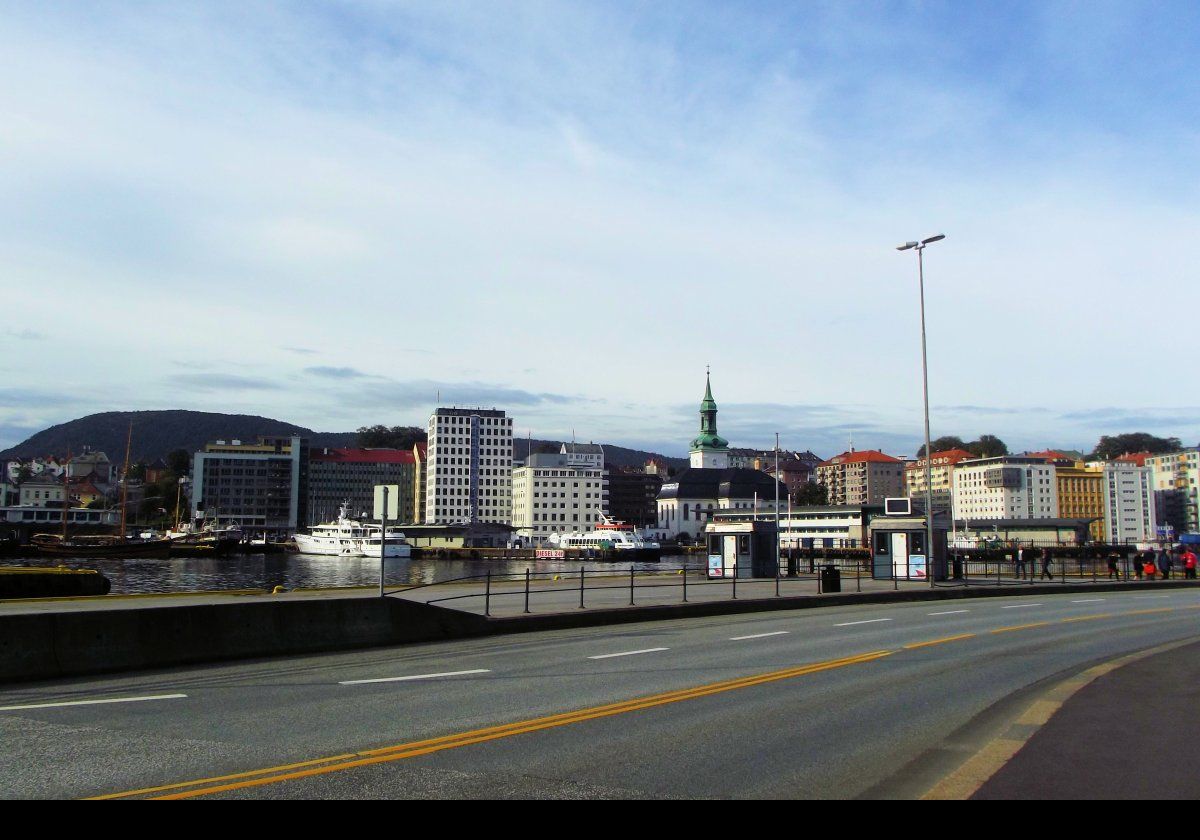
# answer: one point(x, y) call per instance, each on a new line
point(302, 571)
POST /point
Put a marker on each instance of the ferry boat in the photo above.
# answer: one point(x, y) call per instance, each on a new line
point(617, 539)
point(350, 538)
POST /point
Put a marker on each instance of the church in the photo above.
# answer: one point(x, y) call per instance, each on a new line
point(687, 503)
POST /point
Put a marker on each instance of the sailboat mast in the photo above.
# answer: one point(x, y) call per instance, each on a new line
point(66, 492)
point(125, 481)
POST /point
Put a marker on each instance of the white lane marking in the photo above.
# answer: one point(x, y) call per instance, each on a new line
point(1021, 606)
point(1151, 596)
point(92, 702)
point(852, 623)
point(1090, 601)
point(759, 636)
point(627, 653)
point(415, 677)
point(950, 612)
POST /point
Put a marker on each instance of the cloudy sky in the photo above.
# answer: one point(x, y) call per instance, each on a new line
point(331, 213)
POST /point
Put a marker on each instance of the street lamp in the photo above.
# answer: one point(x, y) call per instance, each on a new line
point(919, 247)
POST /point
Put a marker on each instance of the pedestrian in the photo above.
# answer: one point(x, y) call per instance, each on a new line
point(1148, 566)
point(1114, 570)
point(1189, 564)
point(1164, 565)
point(1047, 559)
point(1019, 564)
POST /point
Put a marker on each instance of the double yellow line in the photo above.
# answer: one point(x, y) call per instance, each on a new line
point(349, 761)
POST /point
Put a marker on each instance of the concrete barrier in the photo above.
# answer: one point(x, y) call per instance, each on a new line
point(35, 582)
point(70, 643)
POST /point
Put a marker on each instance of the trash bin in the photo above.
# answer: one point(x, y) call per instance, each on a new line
point(831, 579)
point(958, 567)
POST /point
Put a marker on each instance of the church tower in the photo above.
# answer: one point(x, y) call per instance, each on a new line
point(709, 449)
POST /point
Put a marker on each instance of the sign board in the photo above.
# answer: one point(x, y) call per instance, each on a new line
point(393, 501)
point(550, 554)
point(716, 566)
point(897, 507)
point(916, 567)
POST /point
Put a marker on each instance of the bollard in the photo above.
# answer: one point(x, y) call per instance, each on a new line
point(527, 590)
point(685, 600)
point(631, 586)
point(487, 595)
point(735, 580)
point(582, 572)
point(858, 577)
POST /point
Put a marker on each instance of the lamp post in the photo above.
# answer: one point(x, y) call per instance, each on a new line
point(919, 247)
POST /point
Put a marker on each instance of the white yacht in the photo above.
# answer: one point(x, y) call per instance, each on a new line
point(350, 538)
point(610, 536)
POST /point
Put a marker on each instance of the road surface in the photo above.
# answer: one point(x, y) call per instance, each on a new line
point(880, 701)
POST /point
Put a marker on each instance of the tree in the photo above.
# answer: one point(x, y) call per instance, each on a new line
point(395, 437)
point(811, 493)
point(988, 446)
point(943, 444)
point(179, 462)
point(1114, 446)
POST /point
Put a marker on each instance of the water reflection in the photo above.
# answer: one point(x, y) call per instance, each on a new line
point(302, 571)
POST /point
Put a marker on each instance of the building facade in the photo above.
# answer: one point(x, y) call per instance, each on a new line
point(1005, 487)
point(41, 493)
point(866, 477)
point(552, 495)
point(469, 476)
point(339, 476)
point(632, 497)
point(1081, 494)
point(941, 474)
point(1130, 515)
point(420, 481)
point(1176, 480)
point(260, 485)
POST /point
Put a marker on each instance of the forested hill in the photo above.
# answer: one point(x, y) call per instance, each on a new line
point(156, 433)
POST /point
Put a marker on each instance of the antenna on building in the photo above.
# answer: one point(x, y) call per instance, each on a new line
point(851, 441)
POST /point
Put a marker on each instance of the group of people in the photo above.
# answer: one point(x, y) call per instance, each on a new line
point(1151, 565)
point(1147, 565)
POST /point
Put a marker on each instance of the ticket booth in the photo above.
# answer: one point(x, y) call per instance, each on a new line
point(898, 548)
point(747, 549)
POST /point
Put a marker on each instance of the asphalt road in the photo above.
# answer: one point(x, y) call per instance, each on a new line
point(880, 701)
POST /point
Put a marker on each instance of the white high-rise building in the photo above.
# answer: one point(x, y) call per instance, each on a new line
point(1005, 487)
point(1129, 510)
point(552, 495)
point(469, 468)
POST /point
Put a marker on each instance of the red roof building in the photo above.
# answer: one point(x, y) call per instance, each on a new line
point(866, 477)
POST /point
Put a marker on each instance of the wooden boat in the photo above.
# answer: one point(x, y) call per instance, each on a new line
point(53, 545)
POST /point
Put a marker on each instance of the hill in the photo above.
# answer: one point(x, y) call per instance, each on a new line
point(157, 433)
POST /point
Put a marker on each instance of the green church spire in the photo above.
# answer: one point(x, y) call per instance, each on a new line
point(708, 438)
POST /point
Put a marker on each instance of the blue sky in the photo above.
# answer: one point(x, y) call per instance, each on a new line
point(331, 213)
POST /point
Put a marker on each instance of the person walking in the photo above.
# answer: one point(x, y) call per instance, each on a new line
point(1164, 565)
point(1020, 558)
point(1114, 571)
point(1189, 564)
point(1047, 559)
point(1138, 564)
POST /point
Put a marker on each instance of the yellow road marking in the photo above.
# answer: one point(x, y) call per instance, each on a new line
point(940, 641)
point(1087, 618)
point(1021, 627)
point(332, 764)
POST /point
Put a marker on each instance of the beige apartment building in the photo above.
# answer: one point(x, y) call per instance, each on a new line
point(861, 478)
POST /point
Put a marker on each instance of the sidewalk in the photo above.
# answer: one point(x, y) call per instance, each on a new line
point(1131, 734)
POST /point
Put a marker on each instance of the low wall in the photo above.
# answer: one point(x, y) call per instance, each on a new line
point(34, 582)
point(68, 643)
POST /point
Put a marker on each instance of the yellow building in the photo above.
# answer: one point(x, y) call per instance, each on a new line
point(1081, 491)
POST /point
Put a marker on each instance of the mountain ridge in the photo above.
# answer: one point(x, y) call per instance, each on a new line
point(156, 433)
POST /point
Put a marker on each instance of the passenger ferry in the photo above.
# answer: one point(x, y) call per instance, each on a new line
point(350, 538)
point(610, 536)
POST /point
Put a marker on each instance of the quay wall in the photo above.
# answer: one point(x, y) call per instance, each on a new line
point(45, 645)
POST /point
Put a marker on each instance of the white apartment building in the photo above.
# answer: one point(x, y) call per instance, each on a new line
point(1130, 514)
point(941, 472)
point(469, 468)
point(551, 495)
point(1005, 487)
point(1176, 483)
